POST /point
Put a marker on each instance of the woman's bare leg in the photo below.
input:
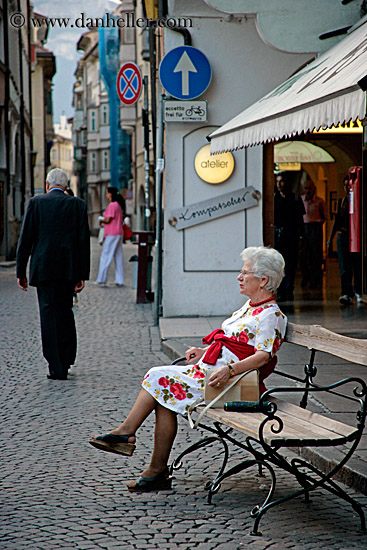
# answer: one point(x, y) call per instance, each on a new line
point(164, 435)
point(164, 432)
point(142, 408)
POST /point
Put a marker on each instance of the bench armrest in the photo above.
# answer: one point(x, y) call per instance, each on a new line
point(358, 395)
point(178, 360)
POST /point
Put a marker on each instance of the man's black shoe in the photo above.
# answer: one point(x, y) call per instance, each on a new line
point(54, 377)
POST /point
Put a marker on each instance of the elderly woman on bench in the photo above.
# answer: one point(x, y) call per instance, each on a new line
point(248, 339)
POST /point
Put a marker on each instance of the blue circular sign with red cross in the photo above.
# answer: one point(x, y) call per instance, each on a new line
point(129, 83)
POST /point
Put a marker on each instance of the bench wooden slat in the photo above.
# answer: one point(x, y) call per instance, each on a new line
point(299, 429)
point(289, 437)
point(314, 418)
point(312, 431)
point(322, 339)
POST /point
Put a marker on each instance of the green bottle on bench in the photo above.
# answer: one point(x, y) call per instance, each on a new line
point(244, 406)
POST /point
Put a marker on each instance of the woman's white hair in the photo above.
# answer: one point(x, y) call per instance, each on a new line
point(265, 262)
point(57, 176)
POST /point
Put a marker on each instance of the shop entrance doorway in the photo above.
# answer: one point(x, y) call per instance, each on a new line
point(346, 150)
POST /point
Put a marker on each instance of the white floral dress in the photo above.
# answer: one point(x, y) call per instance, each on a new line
point(177, 387)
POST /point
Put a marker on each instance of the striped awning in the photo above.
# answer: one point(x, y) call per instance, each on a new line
point(322, 94)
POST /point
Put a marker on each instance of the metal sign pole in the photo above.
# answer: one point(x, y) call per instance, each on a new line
point(159, 220)
point(146, 154)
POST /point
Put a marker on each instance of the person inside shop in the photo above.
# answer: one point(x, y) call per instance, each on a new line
point(288, 228)
point(112, 221)
point(311, 257)
point(349, 262)
point(249, 339)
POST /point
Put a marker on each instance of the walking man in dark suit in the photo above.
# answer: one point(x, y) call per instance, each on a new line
point(55, 234)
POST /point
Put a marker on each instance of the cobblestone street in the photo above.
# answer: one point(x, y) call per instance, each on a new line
point(57, 492)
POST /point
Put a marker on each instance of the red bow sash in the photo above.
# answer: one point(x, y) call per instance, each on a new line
point(216, 340)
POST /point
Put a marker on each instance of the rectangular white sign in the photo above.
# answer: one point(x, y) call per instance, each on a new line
point(185, 111)
point(204, 211)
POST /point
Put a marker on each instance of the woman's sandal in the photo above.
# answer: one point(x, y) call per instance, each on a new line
point(160, 482)
point(118, 444)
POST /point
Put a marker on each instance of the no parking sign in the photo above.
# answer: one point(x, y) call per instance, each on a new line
point(129, 83)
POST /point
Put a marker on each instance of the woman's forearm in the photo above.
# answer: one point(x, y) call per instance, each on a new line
point(222, 374)
point(255, 361)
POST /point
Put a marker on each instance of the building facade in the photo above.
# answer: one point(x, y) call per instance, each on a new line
point(26, 125)
point(91, 129)
point(62, 151)
point(251, 48)
point(16, 183)
point(43, 71)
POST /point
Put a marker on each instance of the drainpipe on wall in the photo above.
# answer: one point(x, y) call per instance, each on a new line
point(162, 9)
point(153, 89)
point(30, 107)
point(22, 123)
point(159, 167)
point(185, 33)
point(6, 129)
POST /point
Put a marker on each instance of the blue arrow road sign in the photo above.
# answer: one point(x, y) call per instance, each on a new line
point(185, 72)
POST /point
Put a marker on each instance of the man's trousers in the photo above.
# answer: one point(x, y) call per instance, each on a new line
point(58, 331)
point(349, 266)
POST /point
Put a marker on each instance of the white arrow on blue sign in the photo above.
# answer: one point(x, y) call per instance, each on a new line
point(185, 72)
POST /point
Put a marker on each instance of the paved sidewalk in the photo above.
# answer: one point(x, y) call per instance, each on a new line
point(57, 492)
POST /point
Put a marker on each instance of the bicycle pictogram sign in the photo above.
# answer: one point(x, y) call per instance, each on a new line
point(129, 83)
point(194, 111)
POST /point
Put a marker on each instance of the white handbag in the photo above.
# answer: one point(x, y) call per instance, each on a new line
point(247, 389)
point(101, 235)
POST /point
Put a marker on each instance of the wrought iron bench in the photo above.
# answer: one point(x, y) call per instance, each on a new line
point(282, 424)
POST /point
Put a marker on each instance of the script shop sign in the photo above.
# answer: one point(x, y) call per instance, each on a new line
point(211, 209)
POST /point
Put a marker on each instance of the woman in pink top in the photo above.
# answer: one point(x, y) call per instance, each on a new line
point(112, 246)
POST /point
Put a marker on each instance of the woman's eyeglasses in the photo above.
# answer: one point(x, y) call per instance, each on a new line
point(243, 273)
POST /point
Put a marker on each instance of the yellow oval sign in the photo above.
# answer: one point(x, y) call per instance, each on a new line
point(213, 168)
